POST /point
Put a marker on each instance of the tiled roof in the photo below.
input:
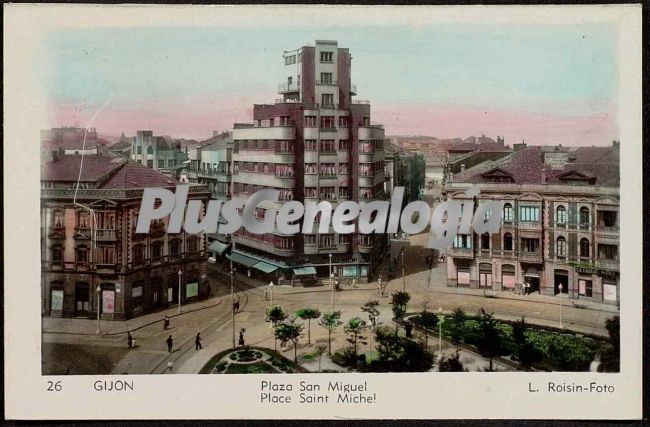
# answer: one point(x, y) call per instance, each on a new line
point(526, 166)
point(66, 168)
point(134, 175)
point(68, 139)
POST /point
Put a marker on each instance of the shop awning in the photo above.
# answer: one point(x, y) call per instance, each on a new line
point(304, 271)
point(218, 247)
point(265, 267)
point(242, 259)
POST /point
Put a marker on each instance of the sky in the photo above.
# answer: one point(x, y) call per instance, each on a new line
point(545, 84)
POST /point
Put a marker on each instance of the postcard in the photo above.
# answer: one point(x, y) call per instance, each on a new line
point(322, 212)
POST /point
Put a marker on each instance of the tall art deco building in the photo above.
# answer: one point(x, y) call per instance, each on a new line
point(314, 144)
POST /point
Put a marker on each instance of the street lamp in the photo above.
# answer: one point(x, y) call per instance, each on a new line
point(441, 320)
point(560, 287)
point(232, 302)
point(180, 273)
point(99, 294)
point(271, 291)
point(403, 275)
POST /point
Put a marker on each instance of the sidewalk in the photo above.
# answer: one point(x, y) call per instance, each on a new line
point(547, 299)
point(58, 325)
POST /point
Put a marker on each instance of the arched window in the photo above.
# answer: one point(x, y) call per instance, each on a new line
point(57, 219)
point(507, 242)
point(560, 216)
point(156, 251)
point(560, 247)
point(584, 248)
point(175, 248)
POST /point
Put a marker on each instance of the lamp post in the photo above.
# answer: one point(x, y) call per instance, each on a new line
point(232, 302)
point(560, 287)
point(99, 295)
point(180, 274)
point(271, 291)
point(331, 284)
point(403, 275)
point(441, 320)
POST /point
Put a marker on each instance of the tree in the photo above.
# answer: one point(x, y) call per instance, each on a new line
point(400, 300)
point(610, 358)
point(276, 315)
point(355, 327)
point(398, 354)
point(490, 341)
point(527, 353)
point(308, 314)
point(458, 326)
point(371, 308)
point(451, 363)
point(330, 321)
point(427, 320)
point(289, 331)
point(518, 331)
point(320, 349)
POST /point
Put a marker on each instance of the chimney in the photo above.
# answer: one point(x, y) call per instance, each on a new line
point(215, 133)
point(543, 174)
point(616, 144)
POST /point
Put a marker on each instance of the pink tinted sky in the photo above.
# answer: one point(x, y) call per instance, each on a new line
point(199, 117)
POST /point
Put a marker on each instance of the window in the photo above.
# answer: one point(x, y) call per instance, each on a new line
point(310, 168)
point(83, 220)
point(192, 244)
point(326, 57)
point(507, 242)
point(463, 241)
point(310, 239)
point(607, 218)
point(327, 99)
point(138, 254)
point(344, 121)
point(584, 248)
point(311, 192)
point(175, 248)
point(585, 288)
point(139, 149)
point(289, 59)
point(57, 219)
point(171, 162)
point(326, 240)
point(345, 239)
point(560, 216)
point(150, 164)
point(529, 213)
point(560, 247)
point(156, 251)
point(327, 169)
point(344, 192)
point(529, 245)
point(344, 168)
point(485, 241)
point(310, 145)
point(81, 254)
point(327, 145)
point(584, 218)
point(57, 254)
point(106, 255)
point(608, 252)
point(344, 144)
point(326, 78)
point(310, 121)
point(161, 163)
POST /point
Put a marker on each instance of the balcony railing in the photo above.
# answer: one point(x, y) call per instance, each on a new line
point(106, 235)
point(326, 82)
point(288, 87)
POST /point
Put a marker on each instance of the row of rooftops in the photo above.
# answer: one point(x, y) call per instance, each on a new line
point(549, 165)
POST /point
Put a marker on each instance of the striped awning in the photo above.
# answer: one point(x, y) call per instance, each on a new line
point(265, 267)
point(304, 271)
point(218, 247)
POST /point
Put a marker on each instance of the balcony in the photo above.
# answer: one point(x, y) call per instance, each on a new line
point(57, 233)
point(106, 235)
point(527, 256)
point(288, 88)
point(461, 253)
point(327, 82)
point(82, 233)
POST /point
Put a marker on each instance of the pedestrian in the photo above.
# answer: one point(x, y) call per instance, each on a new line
point(129, 340)
point(197, 341)
point(241, 338)
point(166, 323)
point(408, 328)
point(170, 343)
point(527, 291)
point(266, 294)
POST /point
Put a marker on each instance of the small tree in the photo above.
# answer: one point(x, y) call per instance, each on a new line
point(308, 314)
point(320, 349)
point(289, 331)
point(451, 363)
point(458, 326)
point(490, 342)
point(330, 321)
point(276, 315)
point(371, 308)
point(519, 331)
point(355, 327)
point(427, 320)
point(610, 358)
point(387, 344)
point(399, 301)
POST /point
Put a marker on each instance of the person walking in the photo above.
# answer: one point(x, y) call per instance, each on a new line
point(241, 338)
point(129, 340)
point(166, 323)
point(170, 344)
point(197, 341)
